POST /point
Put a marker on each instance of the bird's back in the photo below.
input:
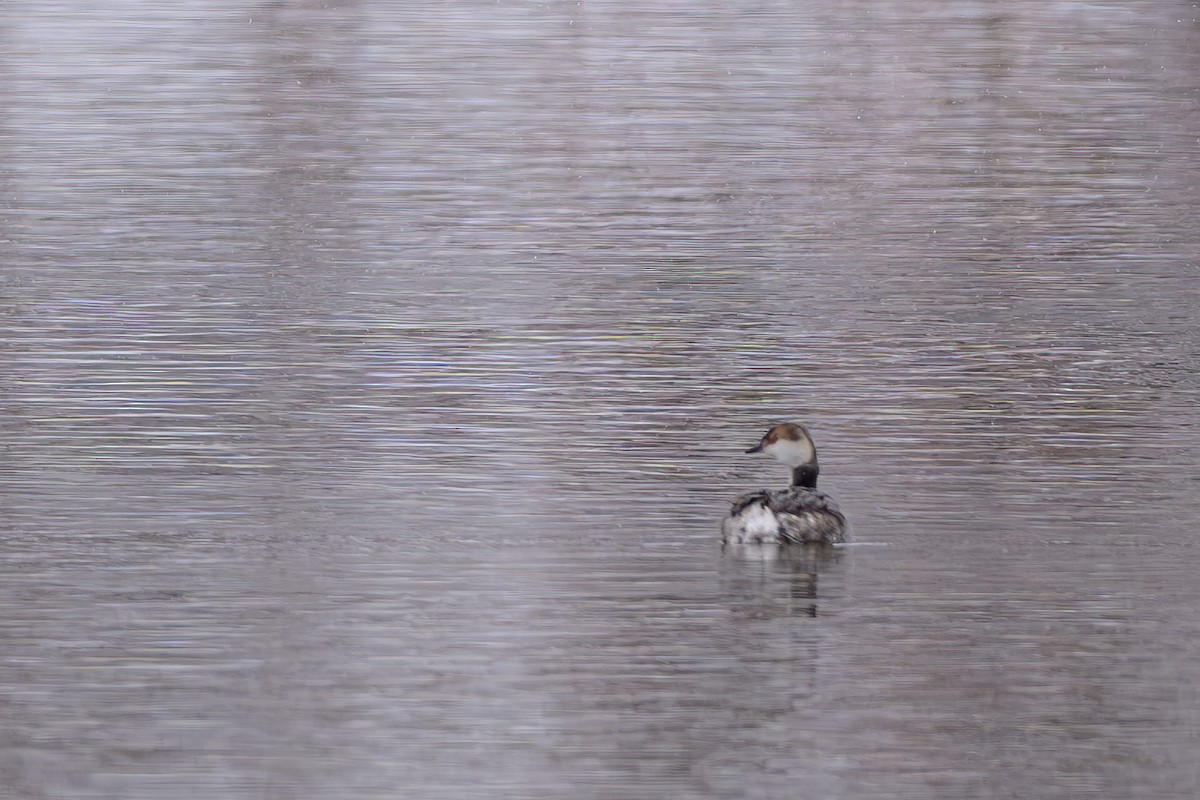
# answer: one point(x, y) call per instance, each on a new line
point(795, 514)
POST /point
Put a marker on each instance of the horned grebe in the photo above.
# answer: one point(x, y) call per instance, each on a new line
point(799, 513)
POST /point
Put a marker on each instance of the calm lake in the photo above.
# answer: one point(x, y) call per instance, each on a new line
point(375, 377)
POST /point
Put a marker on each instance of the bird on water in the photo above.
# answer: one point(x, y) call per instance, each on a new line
point(798, 514)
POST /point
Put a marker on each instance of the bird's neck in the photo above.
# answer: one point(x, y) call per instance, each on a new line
point(805, 475)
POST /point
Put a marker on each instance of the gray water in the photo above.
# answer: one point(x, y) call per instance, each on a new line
point(375, 376)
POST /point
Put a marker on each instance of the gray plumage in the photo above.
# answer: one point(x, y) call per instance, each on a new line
point(794, 515)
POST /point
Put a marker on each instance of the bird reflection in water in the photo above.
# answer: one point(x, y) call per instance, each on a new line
point(777, 580)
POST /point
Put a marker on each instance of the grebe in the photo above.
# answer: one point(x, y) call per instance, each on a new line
point(797, 514)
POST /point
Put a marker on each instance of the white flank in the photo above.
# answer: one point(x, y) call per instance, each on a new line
point(755, 523)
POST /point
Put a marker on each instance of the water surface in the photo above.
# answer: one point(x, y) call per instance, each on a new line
point(375, 379)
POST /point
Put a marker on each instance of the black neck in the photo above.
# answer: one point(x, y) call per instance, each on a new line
point(805, 475)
